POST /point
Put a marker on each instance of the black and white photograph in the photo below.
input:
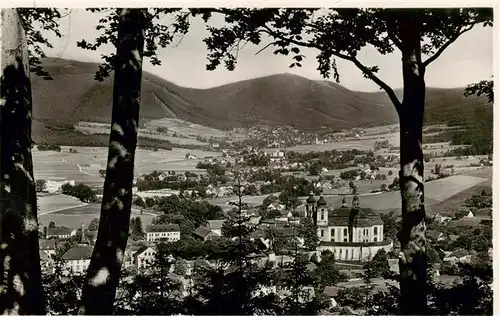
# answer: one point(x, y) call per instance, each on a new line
point(241, 158)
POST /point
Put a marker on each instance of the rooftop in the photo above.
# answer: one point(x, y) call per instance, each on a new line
point(162, 228)
point(78, 252)
point(215, 223)
point(59, 230)
point(202, 231)
point(363, 217)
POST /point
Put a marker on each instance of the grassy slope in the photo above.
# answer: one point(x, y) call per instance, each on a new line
point(286, 99)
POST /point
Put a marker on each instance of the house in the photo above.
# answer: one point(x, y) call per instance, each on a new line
point(77, 258)
point(130, 251)
point(204, 233)
point(393, 265)
point(144, 256)
point(331, 292)
point(48, 246)
point(215, 226)
point(434, 235)
point(470, 215)
point(60, 232)
point(460, 255)
point(163, 232)
point(441, 218)
point(53, 186)
point(276, 206)
point(46, 263)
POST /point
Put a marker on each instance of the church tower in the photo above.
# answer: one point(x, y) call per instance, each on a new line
point(310, 205)
point(83, 238)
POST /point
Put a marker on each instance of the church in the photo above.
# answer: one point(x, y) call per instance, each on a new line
point(350, 233)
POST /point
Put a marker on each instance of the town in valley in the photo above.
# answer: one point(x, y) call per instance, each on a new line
point(180, 171)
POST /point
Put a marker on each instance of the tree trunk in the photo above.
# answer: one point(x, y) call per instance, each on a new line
point(413, 262)
point(20, 272)
point(104, 270)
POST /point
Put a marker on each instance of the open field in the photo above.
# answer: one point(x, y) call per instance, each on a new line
point(74, 217)
point(84, 166)
point(188, 129)
point(368, 143)
point(360, 144)
point(54, 202)
point(443, 189)
point(99, 128)
point(451, 205)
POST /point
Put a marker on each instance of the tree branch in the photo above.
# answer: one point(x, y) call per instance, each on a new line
point(394, 39)
point(445, 45)
point(374, 78)
point(363, 68)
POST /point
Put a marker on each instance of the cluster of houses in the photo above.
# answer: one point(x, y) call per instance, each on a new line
point(76, 258)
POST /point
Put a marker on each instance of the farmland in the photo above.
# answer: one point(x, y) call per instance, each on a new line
point(74, 217)
point(84, 165)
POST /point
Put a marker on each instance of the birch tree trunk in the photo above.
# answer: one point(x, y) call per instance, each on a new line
point(413, 261)
point(104, 271)
point(20, 274)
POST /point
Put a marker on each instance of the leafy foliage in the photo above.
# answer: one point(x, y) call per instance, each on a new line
point(37, 23)
point(482, 87)
point(80, 191)
point(158, 34)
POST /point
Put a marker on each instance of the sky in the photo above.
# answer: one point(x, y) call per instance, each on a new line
point(468, 60)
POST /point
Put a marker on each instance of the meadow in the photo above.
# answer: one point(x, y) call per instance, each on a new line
point(74, 217)
point(84, 165)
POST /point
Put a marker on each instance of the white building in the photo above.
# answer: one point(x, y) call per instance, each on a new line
point(77, 258)
point(163, 232)
point(53, 186)
point(48, 246)
point(154, 193)
point(144, 256)
point(60, 232)
point(359, 241)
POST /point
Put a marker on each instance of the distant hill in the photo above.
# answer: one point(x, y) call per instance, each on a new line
point(283, 99)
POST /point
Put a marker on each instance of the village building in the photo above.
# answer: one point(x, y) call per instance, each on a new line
point(59, 232)
point(204, 233)
point(77, 258)
point(163, 232)
point(215, 226)
point(54, 186)
point(350, 233)
point(48, 246)
point(46, 263)
point(143, 257)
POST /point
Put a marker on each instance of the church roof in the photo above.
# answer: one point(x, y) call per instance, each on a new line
point(365, 217)
point(311, 199)
point(321, 201)
point(78, 252)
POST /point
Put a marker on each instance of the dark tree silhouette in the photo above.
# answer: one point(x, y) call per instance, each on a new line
point(483, 87)
point(20, 273)
point(104, 270)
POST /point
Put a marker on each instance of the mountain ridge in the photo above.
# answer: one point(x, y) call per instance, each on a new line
point(279, 99)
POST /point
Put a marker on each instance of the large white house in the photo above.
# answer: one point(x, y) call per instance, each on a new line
point(351, 233)
point(166, 232)
point(143, 257)
point(77, 258)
